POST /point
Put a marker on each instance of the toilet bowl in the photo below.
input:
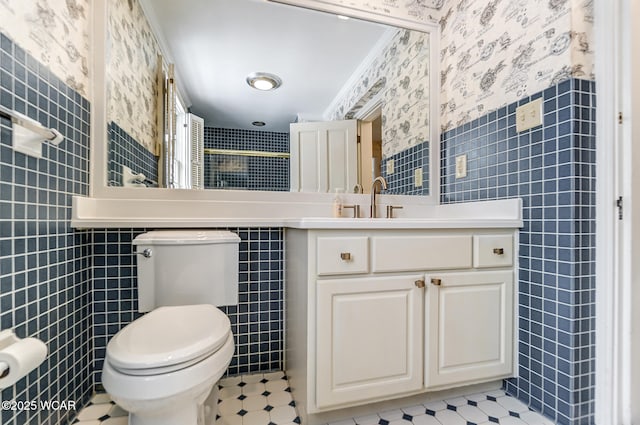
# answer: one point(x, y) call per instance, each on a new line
point(163, 367)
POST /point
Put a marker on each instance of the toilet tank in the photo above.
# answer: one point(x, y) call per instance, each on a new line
point(185, 267)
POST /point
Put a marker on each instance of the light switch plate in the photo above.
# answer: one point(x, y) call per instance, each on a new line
point(390, 166)
point(529, 115)
point(417, 177)
point(461, 166)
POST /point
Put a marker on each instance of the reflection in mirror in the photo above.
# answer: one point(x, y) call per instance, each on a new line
point(331, 69)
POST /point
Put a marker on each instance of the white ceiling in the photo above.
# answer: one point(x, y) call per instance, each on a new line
point(215, 44)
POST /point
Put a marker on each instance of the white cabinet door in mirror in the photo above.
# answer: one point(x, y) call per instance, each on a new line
point(324, 156)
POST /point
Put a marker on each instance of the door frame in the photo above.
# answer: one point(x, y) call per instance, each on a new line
point(617, 243)
point(365, 116)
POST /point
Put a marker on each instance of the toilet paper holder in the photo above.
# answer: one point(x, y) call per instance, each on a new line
point(4, 370)
point(6, 338)
point(18, 357)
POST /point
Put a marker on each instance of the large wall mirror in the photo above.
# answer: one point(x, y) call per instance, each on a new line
point(184, 105)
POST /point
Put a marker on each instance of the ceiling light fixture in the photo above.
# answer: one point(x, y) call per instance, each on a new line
point(263, 81)
point(344, 18)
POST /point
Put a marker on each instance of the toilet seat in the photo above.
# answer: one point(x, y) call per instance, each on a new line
point(136, 388)
point(168, 339)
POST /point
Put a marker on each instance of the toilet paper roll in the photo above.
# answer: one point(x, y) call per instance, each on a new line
point(22, 356)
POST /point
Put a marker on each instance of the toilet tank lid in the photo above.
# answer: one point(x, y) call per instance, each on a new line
point(186, 237)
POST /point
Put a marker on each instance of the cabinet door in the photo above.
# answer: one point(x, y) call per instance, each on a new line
point(369, 339)
point(469, 327)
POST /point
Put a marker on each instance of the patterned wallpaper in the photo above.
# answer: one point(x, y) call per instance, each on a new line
point(401, 74)
point(131, 71)
point(493, 51)
point(497, 51)
point(55, 32)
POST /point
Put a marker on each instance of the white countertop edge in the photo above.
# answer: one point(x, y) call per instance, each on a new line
point(346, 223)
point(107, 213)
point(399, 223)
point(172, 223)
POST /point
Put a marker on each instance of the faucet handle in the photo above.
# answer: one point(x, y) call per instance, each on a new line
point(356, 209)
point(390, 209)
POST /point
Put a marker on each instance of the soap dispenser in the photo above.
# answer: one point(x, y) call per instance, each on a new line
point(337, 203)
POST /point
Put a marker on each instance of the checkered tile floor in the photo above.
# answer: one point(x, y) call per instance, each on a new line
point(102, 411)
point(259, 399)
point(494, 407)
point(265, 399)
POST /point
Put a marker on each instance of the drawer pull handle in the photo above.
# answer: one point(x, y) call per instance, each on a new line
point(498, 251)
point(436, 282)
point(345, 256)
point(420, 283)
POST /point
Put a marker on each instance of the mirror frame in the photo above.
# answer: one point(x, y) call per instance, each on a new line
point(99, 138)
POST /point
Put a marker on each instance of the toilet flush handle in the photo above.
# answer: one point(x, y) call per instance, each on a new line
point(147, 253)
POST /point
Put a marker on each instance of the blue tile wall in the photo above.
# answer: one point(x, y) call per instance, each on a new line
point(401, 181)
point(256, 322)
point(45, 268)
point(552, 168)
point(124, 150)
point(246, 172)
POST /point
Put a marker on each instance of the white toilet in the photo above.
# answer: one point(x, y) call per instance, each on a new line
point(163, 367)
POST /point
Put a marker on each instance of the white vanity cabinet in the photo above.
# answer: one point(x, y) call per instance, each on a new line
point(469, 326)
point(365, 323)
point(368, 338)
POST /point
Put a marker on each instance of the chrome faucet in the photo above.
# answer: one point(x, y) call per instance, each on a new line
point(383, 186)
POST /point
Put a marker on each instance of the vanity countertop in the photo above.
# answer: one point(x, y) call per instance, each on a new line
point(116, 213)
point(400, 223)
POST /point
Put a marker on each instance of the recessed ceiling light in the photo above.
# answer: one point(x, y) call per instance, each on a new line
point(263, 81)
point(344, 18)
point(259, 123)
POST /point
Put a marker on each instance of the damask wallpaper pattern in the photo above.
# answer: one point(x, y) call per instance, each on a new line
point(494, 52)
point(401, 74)
point(55, 32)
point(132, 61)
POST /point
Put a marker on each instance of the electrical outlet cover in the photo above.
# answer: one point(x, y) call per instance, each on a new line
point(417, 177)
point(529, 115)
point(461, 166)
point(390, 166)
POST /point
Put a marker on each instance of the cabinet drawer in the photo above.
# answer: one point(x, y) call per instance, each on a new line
point(409, 253)
point(343, 255)
point(492, 251)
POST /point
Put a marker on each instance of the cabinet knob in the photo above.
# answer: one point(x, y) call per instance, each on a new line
point(436, 282)
point(345, 256)
point(420, 283)
point(498, 251)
